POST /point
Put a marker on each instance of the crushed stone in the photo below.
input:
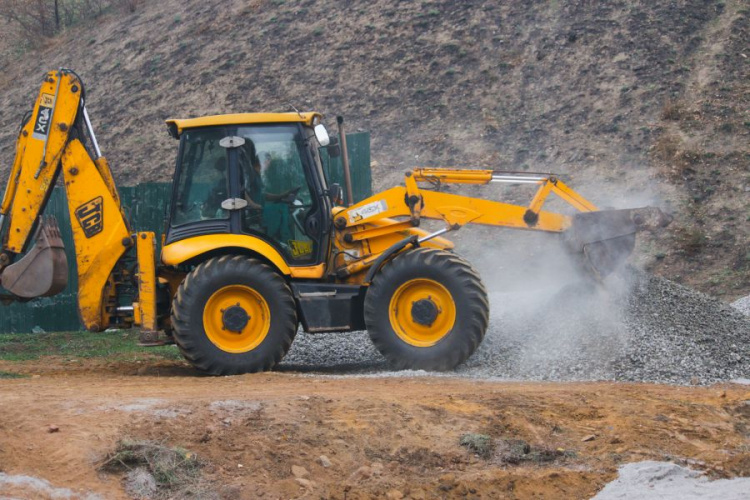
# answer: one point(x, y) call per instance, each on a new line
point(742, 305)
point(651, 480)
point(34, 487)
point(639, 328)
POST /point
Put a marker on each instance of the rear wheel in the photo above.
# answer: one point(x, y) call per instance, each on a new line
point(427, 309)
point(234, 314)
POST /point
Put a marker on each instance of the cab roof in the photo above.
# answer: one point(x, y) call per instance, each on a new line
point(177, 125)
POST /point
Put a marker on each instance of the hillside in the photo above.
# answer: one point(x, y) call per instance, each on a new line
point(638, 102)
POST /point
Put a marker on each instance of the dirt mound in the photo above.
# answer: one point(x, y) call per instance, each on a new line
point(644, 328)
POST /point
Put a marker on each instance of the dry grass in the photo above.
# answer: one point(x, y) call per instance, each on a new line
point(666, 147)
point(691, 240)
point(155, 470)
point(673, 110)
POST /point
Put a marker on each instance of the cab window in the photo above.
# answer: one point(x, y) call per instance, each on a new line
point(203, 178)
point(273, 182)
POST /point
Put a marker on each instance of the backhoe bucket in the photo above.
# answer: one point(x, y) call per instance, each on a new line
point(43, 271)
point(602, 240)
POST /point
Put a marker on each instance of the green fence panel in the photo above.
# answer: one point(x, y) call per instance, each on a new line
point(145, 208)
point(358, 145)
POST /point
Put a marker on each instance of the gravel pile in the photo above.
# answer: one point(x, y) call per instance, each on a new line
point(742, 305)
point(640, 329)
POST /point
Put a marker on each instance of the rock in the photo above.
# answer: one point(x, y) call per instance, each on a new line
point(588, 438)
point(324, 461)
point(299, 472)
point(363, 472)
point(394, 495)
point(53, 428)
point(615, 440)
point(306, 483)
point(377, 468)
point(417, 494)
point(139, 483)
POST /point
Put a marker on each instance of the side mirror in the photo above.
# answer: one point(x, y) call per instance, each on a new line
point(336, 193)
point(322, 135)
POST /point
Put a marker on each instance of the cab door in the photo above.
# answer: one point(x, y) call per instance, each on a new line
point(273, 171)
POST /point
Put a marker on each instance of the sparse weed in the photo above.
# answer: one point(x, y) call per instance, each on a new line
point(692, 240)
point(481, 444)
point(666, 147)
point(672, 110)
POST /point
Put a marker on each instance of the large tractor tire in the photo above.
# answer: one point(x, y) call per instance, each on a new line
point(234, 314)
point(427, 309)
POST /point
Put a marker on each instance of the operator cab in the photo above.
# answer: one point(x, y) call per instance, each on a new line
point(255, 174)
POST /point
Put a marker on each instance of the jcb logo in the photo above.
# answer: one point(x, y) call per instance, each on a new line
point(43, 116)
point(91, 217)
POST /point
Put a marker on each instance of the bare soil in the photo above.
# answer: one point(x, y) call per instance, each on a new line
point(380, 434)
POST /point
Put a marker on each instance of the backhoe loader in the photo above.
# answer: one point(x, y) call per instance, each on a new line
point(258, 243)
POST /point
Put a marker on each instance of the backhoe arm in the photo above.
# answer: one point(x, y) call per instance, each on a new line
point(48, 143)
point(39, 148)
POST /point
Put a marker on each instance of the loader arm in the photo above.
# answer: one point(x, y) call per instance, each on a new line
point(48, 143)
point(604, 238)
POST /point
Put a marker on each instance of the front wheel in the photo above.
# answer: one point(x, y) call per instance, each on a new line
point(426, 309)
point(234, 314)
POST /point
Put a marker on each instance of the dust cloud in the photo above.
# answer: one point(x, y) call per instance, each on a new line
point(549, 318)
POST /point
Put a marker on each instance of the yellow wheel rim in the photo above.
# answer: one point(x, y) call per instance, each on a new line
point(236, 298)
point(409, 319)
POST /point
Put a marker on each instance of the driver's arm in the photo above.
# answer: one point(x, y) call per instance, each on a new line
point(277, 197)
point(252, 204)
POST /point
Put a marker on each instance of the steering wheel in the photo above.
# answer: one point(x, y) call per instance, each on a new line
point(291, 196)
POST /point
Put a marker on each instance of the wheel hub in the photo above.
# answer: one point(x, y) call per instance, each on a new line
point(424, 311)
point(234, 318)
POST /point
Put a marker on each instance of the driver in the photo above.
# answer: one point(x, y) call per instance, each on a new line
point(273, 206)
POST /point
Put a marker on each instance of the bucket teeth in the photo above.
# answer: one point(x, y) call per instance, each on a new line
point(43, 271)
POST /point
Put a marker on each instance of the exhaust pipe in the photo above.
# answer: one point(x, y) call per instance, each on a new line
point(345, 162)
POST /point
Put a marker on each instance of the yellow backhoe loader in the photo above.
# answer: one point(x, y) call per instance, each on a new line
point(257, 242)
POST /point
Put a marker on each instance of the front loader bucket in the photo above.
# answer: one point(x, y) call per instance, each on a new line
point(602, 240)
point(43, 271)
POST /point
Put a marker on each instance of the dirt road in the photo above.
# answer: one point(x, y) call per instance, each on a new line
point(382, 436)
